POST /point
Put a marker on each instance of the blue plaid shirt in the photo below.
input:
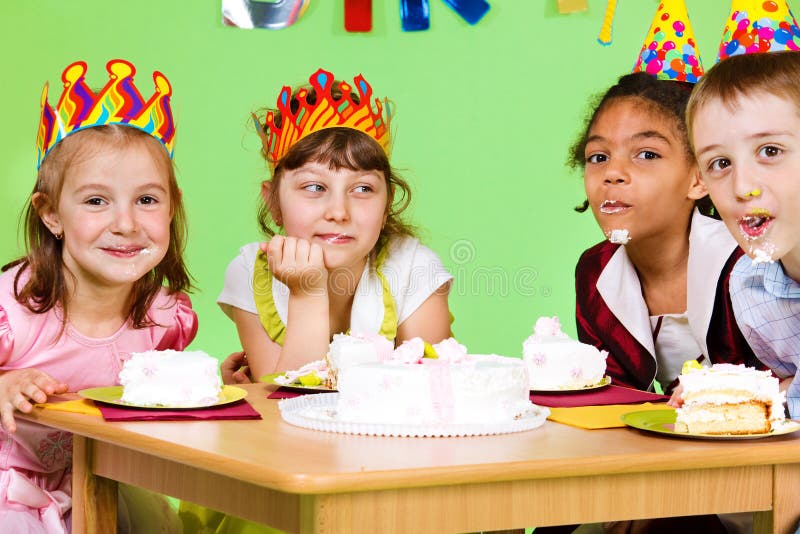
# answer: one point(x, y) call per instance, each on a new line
point(766, 303)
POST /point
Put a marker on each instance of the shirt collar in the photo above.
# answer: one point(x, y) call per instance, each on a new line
point(776, 282)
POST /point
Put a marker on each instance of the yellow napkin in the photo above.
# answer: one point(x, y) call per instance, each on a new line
point(83, 406)
point(593, 417)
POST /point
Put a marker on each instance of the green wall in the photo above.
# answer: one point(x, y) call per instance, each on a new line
point(483, 121)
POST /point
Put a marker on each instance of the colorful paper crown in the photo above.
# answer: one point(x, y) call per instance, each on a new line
point(119, 102)
point(756, 26)
point(327, 111)
point(669, 51)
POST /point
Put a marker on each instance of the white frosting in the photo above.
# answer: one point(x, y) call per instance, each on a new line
point(762, 253)
point(450, 350)
point(477, 389)
point(725, 383)
point(346, 350)
point(555, 361)
point(170, 378)
point(619, 236)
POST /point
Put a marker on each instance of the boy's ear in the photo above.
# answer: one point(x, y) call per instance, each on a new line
point(697, 189)
point(266, 195)
point(47, 213)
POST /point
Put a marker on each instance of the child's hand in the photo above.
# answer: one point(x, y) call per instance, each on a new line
point(676, 400)
point(234, 369)
point(297, 263)
point(20, 389)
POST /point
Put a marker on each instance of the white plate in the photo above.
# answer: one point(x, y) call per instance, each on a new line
point(318, 412)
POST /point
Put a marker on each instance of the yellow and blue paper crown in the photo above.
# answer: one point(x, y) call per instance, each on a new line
point(670, 51)
point(326, 111)
point(118, 102)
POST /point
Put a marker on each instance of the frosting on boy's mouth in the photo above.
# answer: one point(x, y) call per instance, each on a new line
point(610, 207)
point(755, 223)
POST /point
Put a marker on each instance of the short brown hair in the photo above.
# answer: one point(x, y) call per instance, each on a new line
point(777, 73)
point(339, 148)
point(46, 286)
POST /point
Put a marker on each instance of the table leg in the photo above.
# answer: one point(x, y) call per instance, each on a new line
point(785, 514)
point(94, 499)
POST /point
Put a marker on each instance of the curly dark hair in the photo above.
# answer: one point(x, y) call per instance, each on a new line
point(666, 97)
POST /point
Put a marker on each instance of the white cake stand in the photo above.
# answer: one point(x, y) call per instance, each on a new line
point(318, 412)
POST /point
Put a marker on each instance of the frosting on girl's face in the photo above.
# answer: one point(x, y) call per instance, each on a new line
point(619, 236)
point(115, 211)
point(342, 210)
point(637, 173)
point(748, 152)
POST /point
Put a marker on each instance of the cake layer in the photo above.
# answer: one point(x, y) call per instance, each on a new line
point(734, 419)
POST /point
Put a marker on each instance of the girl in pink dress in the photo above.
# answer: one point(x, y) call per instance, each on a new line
point(103, 277)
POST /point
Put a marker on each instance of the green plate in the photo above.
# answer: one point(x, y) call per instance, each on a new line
point(270, 379)
point(112, 394)
point(663, 422)
point(606, 380)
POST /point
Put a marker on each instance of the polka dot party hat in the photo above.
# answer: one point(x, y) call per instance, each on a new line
point(759, 26)
point(669, 51)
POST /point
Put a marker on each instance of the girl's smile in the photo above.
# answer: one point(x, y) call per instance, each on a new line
point(126, 251)
point(335, 239)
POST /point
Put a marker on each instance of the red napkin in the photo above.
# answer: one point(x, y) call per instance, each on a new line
point(236, 410)
point(290, 393)
point(596, 397)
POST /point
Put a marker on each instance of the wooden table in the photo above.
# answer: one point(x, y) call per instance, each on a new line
point(302, 480)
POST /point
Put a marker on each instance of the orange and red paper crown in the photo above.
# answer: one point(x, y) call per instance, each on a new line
point(670, 51)
point(118, 102)
point(327, 111)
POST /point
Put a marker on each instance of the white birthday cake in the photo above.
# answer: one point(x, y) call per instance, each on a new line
point(728, 399)
point(170, 378)
point(557, 362)
point(450, 388)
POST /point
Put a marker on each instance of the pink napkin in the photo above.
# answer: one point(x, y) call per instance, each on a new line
point(290, 393)
point(236, 410)
point(596, 397)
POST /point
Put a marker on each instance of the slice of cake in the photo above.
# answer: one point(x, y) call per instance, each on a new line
point(170, 378)
point(555, 361)
point(452, 388)
point(347, 350)
point(728, 399)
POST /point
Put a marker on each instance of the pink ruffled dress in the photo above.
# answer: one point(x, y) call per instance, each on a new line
point(36, 461)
